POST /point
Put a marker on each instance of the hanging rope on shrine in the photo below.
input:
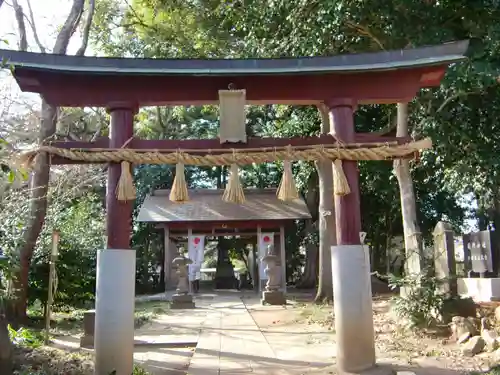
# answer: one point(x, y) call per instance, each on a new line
point(340, 183)
point(287, 191)
point(125, 190)
point(234, 192)
point(179, 192)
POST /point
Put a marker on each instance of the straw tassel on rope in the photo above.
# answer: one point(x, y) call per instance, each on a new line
point(340, 183)
point(287, 191)
point(179, 192)
point(125, 190)
point(234, 190)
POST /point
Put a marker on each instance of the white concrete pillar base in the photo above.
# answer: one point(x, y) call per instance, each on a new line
point(353, 309)
point(114, 317)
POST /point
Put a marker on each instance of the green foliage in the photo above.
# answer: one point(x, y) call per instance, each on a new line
point(137, 371)
point(81, 235)
point(495, 370)
point(26, 337)
point(422, 304)
point(140, 371)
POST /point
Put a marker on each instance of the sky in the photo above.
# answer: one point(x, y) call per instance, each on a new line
point(49, 16)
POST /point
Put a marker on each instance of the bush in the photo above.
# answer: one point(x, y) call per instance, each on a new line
point(81, 235)
point(421, 304)
point(26, 337)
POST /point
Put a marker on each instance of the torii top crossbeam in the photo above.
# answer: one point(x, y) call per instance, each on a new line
point(380, 77)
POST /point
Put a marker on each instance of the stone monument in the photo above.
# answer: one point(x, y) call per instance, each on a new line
point(445, 265)
point(87, 340)
point(481, 257)
point(182, 299)
point(271, 294)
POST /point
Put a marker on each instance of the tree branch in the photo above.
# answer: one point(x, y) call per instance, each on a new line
point(31, 21)
point(86, 29)
point(21, 26)
point(363, 30)
point(69, 27)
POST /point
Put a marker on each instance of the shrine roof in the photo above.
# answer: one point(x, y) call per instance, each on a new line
point(375, 61)
point(206, 205)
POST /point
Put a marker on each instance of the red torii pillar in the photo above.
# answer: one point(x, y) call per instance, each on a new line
point(115, 289)
point(350, 262)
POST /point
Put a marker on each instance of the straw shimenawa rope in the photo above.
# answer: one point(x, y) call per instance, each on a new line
point(265, 155)
point(125, 191)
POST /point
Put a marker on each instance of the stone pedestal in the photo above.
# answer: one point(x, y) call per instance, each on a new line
point(272, 295)
point(479, 289)
point(87, 340)
point(182, 299)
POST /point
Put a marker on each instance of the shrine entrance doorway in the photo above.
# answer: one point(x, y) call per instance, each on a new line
point(260, 221)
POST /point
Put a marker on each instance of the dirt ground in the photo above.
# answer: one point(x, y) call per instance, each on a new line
point(299, 330)
point(434, 352)
point(166, 340)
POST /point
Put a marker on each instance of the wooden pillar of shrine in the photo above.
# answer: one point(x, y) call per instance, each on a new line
point(168, 258)
point(115, 291)
point(283, 258)
point(350, 265)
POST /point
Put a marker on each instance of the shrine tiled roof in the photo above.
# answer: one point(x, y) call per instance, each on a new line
point(397, 59)
point(206, 205)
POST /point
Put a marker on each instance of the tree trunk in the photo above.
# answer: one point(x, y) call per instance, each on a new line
point(310, 277)
point(496, 212)
point(327, 231)
point(413, 236)
point(6, 363)
point(40, 178)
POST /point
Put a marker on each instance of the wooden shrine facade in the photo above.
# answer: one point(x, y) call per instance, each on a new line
point(208, 215)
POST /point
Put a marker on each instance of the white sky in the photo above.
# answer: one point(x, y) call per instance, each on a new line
point(49, 16)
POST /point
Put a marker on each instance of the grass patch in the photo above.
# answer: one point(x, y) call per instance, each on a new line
point(148, 310)
point(32, 358)
point(71, 320)
point(312, 313)
point(50, 361)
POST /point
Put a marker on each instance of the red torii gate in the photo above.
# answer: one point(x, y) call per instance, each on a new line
point(123, 85)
